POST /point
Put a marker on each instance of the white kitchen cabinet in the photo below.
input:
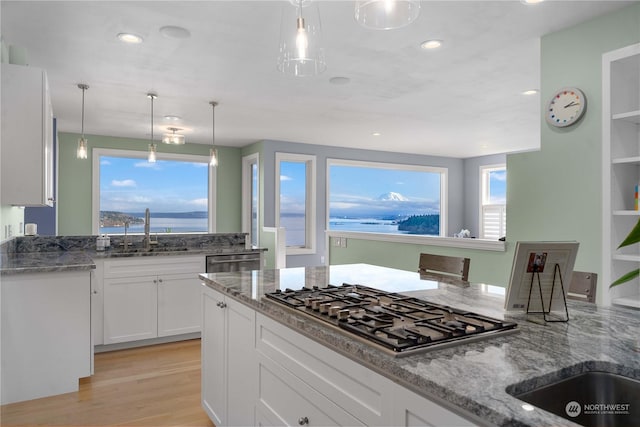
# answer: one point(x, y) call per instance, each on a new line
point(621, 170)
point(257, 371)
point(412, 410)
point(27, 133)
point(130, 309)
point(228, 360)
point(46, 334)
point(151, 297)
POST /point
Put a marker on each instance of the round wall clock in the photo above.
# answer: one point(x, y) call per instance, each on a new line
point(566, 107)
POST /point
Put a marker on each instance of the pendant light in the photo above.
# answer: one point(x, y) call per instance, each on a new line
point(173, 138)
point(386, 14)
point(213, 152)
point(152, 146)
point(81, 152)
point(301, 52)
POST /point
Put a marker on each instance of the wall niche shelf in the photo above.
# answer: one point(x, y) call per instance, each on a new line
point(620, 173)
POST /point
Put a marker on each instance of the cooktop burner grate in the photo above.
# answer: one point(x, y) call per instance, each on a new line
point(396, 322)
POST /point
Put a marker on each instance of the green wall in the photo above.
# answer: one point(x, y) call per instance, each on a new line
point(554, 193)
point(74, 181)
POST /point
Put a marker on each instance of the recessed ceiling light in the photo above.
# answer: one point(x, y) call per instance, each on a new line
point(431, 44)
point(175, 32)
point(531, 1)
point(173, 118)
point(339, 80)
point(376, 134)
point(130, 38)
point(530, 92)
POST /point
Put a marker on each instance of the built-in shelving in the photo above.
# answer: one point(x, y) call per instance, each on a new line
point(620, 173)
point(630, 116)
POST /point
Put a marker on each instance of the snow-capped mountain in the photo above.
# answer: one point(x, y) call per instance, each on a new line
point(393, 196)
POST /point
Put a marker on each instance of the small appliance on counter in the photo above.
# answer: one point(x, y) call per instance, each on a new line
point(30, 229)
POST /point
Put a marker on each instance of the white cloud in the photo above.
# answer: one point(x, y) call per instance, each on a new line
point(148, 165)
point(123, 183)
point(285, 178)
point(105, 162)
point(204, 202)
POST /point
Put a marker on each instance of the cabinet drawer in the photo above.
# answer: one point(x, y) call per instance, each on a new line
point(288, 401)
point(152, 266)
point(356, 389)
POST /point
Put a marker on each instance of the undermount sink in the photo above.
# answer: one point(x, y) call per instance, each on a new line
point(592, 398)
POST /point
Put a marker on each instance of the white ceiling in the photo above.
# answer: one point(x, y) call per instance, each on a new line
point(463, 100)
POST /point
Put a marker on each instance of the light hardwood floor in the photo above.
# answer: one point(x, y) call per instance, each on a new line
point(149, 386)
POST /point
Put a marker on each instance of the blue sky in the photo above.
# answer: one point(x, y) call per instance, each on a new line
point(498, 187)
point(357, 191)
point(131, 185)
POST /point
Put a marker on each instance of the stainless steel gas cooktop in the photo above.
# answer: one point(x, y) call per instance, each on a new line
point(399, 324)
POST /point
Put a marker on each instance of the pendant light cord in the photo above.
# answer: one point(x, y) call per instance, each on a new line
point(82, 122)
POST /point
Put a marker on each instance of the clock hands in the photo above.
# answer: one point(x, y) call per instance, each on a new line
point(571, 104)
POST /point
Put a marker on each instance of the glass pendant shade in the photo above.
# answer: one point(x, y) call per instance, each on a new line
point(81, 153)
point(386, 14)
point(213, 157)
point(173, 138)
point(301, 52)
point(152, 153)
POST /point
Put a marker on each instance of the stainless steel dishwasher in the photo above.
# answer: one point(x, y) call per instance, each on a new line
point(232, 262)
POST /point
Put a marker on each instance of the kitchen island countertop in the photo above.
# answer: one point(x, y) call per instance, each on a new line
point(471, 377)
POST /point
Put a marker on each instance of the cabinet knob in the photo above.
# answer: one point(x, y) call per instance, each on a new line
point(159, 280)
point(95, 292)
point(155, 281)
point(221, 304)
point(303, 421)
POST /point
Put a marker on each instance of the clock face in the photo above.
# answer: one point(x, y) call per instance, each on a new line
point(566, 107)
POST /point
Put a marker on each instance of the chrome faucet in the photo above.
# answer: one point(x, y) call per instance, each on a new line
point(147, 228)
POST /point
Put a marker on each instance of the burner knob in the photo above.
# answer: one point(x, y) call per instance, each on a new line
point(308, 302)
point(315, 305)
point(334, 310)
point(343, 314)
point(324, 308)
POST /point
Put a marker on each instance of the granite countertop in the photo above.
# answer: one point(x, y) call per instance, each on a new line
point(44, 262)
point(69, 253)
point(473, 376)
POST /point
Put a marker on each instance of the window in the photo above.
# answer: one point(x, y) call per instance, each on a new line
point(295, 204)
point(493, 218)
point(385, 198)
point(177, 189)
point(250, 197)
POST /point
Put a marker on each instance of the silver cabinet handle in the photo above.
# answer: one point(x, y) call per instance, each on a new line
point(303, 421)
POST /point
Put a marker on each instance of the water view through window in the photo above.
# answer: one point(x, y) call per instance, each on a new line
point(392, 199)
point(176, 193)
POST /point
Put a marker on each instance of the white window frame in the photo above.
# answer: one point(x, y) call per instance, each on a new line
point(247, 196)
point(310, 200)
point(133, 154)
point(384, 237)
point(485, 197)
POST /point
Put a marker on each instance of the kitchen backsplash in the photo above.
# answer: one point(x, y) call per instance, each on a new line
point(82, 243)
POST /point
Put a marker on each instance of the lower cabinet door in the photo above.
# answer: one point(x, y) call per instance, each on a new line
point(241, 365)
point(284, 399)
point(179, 308)
point(130, 309)
point(214, 378)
